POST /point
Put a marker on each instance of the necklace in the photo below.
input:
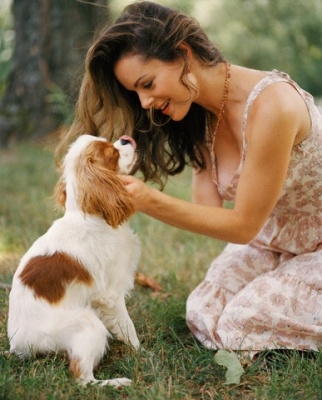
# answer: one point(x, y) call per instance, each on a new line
point(222, 104)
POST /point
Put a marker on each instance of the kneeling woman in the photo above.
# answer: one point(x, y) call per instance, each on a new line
point(252, 137)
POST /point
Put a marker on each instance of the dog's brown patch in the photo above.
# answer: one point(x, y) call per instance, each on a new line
point(49, 275)
point(74, 368)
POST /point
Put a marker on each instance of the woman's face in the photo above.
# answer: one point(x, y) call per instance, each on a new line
point(157, 84)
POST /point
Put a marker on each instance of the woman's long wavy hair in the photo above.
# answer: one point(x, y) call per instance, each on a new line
point(106, 108)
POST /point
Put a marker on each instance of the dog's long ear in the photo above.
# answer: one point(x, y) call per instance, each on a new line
point(60, 191)
point(100, 191)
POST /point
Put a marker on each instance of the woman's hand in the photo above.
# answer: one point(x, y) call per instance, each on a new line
point(139, 191)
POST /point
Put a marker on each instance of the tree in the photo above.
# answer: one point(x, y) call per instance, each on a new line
point(267, 34)
point(51, 39)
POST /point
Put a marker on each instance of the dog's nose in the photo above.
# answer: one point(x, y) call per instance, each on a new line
point(124, 140)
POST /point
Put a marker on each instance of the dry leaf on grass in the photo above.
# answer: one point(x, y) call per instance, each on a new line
point(143, 280)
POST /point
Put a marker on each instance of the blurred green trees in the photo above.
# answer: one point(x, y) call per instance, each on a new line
point(6, 46)
point(268, 34)
point(263, 34)
point(51, 40)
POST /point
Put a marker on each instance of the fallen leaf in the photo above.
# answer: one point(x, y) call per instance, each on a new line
point(231, 362)
point(143, 280)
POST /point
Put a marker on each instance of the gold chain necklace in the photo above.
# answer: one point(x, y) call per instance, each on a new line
point(222, 104)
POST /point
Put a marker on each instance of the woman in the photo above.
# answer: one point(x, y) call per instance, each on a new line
point(252, 137)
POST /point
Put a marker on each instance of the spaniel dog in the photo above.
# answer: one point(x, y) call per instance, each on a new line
point(69, 290)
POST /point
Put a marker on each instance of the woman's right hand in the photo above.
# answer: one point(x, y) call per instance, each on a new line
point(140, 192)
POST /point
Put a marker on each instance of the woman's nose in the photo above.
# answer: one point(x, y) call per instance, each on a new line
point(146, 101)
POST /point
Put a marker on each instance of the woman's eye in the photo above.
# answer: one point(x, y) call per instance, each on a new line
point(147, 85)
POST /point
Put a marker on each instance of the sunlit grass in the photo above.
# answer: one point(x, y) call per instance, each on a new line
point(171, 365)
point(27, 179)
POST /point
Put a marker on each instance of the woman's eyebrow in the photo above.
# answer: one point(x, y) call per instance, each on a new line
point(136, 84)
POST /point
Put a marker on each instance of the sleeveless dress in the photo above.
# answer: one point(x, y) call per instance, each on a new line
point(268, 294)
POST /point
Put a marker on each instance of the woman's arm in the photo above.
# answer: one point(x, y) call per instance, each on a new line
point(272, 128)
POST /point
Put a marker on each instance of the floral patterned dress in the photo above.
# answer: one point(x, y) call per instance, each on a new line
point(268, 294)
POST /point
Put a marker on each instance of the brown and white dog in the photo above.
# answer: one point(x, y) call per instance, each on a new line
point(68, 293)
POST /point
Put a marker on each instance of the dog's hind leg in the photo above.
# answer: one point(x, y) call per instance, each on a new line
point(87, 346)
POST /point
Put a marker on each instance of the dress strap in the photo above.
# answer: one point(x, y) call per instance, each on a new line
point(272, 77)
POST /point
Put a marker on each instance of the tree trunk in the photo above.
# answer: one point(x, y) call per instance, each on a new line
point(51, 41)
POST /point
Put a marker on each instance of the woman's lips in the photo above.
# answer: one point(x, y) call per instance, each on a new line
point(165, 108)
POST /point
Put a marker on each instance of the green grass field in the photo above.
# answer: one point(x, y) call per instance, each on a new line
point(173, 365)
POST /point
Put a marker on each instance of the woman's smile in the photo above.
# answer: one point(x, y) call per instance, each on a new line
point(156, 83)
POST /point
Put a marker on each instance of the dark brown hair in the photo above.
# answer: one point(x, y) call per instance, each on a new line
point(106, 108)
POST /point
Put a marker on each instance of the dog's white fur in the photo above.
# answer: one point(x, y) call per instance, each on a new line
point(69, 290)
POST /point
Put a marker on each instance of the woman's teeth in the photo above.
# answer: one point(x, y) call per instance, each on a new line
point(165, 106)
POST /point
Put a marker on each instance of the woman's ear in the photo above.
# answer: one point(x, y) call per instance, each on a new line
point(186, 49)
point(187, 55)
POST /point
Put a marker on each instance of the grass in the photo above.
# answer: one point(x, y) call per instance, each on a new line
point(172, 364)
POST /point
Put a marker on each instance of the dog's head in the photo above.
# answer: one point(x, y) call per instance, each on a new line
point(90, 182)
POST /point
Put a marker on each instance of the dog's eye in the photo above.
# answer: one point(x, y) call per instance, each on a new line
point(124, 142)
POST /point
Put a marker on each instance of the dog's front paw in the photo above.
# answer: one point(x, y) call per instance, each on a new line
point(136, 345)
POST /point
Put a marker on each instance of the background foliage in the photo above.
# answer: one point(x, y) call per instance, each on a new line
point(263, 34)
point(6, 45)
point(268, 34)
